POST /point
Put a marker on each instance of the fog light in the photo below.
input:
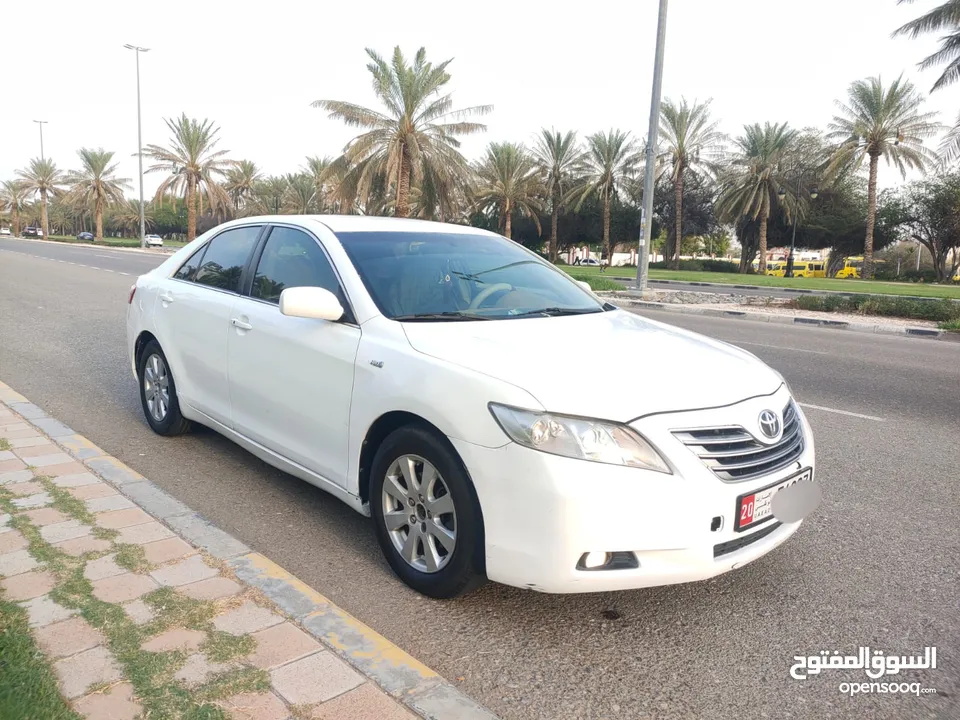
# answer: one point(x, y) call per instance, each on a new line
point(595, 560)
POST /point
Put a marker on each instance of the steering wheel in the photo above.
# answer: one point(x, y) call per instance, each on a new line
point(487, 292)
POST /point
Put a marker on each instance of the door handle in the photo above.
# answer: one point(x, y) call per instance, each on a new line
point(166, 297)
point(240, 325)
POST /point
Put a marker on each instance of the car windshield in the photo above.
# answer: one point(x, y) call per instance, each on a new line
point(460, 276)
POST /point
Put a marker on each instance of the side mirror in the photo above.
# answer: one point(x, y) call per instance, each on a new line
point(585, 285)
point(310, 302)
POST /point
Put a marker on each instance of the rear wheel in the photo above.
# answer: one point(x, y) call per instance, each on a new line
point(158, 392)
point(426, 514)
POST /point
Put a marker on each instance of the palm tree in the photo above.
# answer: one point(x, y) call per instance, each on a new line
point(125, 217)
point(13, 199)
point(300, 196)
point(317, 169)
point(417, 134)
point(562, 162)
point(193, 164)
point(945, 17)
point(749, 190)
point(691, 143)
point(508, 180)
point(240, 180)
point(268, 195)
point(42, 176)
point(611, 162)
point(96, 184)
point(881, 121)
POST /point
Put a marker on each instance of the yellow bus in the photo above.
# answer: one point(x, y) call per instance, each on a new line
point(810, 269)
point(852, 267)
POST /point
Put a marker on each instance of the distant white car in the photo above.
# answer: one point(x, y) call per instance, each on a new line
point(154, 241)
point(4, 231)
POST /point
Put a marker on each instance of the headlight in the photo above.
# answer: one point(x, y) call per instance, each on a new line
point(580, 438)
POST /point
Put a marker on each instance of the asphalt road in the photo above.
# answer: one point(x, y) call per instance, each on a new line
point(877, 565)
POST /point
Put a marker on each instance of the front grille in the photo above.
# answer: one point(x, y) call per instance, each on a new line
point(734, 455)
point(741, 542)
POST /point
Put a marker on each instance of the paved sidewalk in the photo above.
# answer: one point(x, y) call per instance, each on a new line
point(143, 609)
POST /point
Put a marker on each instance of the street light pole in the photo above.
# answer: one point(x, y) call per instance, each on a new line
point(796, 217)
point(143, 224)
point(653, 133)
point(41, 123)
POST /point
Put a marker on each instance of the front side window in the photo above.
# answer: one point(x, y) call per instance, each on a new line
point(437, 276)
point(291, 258)
point(225, 258)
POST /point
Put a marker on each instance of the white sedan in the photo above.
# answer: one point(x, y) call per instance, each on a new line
point(425, 374)
point(153, 241)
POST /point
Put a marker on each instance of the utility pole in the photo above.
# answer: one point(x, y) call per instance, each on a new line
point(143, 224)
point(41, 123)
point(653, 136)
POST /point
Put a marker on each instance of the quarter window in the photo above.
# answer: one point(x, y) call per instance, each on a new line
point(225, 258)
point(188, 269)
point(292, 258)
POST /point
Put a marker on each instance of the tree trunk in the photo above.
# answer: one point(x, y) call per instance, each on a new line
point(191, 208)
point(43, 215)
point(678, 199)
point(554, 221)
point(764, 217)
point(99, 211)
point(403, 185)
point(16, 221)
point(606, 229)
point(507, 226)
point(867, 272)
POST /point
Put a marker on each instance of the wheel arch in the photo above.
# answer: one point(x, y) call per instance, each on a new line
point(141, 342)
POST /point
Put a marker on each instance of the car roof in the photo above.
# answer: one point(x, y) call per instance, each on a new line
point(367, 223)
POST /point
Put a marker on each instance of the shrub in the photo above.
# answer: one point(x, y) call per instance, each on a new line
point(889, 306)
point(704, 265)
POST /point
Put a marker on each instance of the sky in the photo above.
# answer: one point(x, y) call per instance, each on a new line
point(254, 68)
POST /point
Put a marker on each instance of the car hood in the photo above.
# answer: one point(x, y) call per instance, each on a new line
point(612, 365)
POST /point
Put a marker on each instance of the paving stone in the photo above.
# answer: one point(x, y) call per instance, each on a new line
point(46, 516)
point(5, 522)
point(163, 551)
point(121, 588)
point(143, 534)
point(27, 586)
point(117, 519)
point(247, 618)
point(366, 701)
point(115, 703)
point(69, 468)
point(12, 541)
point(58, 458)
point(215, 541)
point(33, 501)
point(81, 545)
point(24, 489)
point(53, 428)
point(17, 443)
point(153, 500)
point(26, 409)
point(445, 701)
point(114, 471)
point(13, 426)
point(16, 562)
point(11, 465)
point(139, 612)
point(257, 706)
point(58, 532)
point(281, 644)
point(110, 502)
point(80, 447)
point(102, 568)
point(313, 679)
point(175, 639)
point(37, 451)
point(7, 455)
point(91, 491)
point(17, 476)
point(198, 668)
point(187, 571)
point(77, 479)
point(68, 637)
point(79, 672)
point(42, 611)
point(12, 435)
point(211, 589)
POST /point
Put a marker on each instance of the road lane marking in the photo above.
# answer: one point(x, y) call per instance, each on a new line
point(781, 347)
point(66, 262)
point(842, 412)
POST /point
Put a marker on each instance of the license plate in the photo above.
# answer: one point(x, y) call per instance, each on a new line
point(756, 507)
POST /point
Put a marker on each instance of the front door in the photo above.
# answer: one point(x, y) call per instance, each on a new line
point(291, 379)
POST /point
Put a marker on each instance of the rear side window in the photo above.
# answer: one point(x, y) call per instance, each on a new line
point(226, 256)
point(187, 270)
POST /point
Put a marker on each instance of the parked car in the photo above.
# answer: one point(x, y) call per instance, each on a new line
point(154, 241)
point(86, 237)
point(589, 261)
point(4, 231)
point(398, 365)
point(31, 231)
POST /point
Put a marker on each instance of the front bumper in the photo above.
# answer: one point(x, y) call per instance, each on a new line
point(543, 512)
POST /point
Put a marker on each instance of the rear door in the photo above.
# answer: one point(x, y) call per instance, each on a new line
point(192, 315)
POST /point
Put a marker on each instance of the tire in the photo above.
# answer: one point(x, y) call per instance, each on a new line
point(461, 570)
point(172, 421)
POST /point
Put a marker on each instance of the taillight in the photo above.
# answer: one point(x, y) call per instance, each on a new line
point(133, 291)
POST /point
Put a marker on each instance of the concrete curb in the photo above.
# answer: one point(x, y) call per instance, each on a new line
point(924, 333)
point(161, 251)
point(422, 690)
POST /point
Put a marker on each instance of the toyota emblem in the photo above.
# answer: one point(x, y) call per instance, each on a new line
point(769, 424)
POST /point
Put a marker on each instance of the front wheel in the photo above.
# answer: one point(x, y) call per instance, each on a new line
point(158, 392)
point(426, 514)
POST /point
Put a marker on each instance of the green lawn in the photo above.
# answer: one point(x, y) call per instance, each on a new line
point(113, 242)
point(856, 286)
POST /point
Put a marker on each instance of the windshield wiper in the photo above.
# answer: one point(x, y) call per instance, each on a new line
point(448, 315)
point(556, 312)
